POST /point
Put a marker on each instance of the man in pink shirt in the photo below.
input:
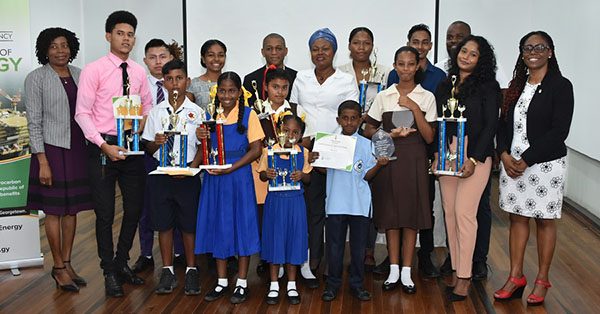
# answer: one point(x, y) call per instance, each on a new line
point(99, 82)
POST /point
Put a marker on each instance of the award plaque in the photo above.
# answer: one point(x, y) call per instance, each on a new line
point(403, 119)
point(383, 145)
point(282, 167)
point(128, 112)
point(451, 161)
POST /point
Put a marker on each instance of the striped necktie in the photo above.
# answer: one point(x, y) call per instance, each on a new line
point(160, 94)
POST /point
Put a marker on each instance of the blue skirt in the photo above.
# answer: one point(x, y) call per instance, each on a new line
point(284, 228)
point(227, 223)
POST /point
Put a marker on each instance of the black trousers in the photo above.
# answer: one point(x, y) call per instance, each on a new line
point(131, 176)
point(484, 225)
point(337, 226)
point(315, 211)
point(426, 235)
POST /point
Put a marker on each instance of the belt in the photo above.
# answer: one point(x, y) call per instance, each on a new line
point(112, 139)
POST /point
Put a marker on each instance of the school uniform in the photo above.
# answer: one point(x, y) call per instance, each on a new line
point(173, 201)
point(348, 203)
point(227, 221)
point(285, 230)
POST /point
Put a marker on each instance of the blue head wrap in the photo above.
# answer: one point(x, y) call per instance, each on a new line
point(323, 33)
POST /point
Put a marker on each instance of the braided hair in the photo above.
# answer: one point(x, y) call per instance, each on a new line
point(484, 71)
point(520, 73)
point(237, 81)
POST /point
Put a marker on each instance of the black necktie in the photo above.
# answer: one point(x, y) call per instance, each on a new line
point(125, 78)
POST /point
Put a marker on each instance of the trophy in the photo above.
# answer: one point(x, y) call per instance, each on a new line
point(216, 143)
point(382, 145)
point(205, 142)
point(168, 157)
point(375, 79)
point(258, 103)
point(450, 162)
point(127, 110)
point(279, 164)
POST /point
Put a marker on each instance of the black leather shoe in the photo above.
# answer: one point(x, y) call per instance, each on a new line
point(426, 267)
point(409, 289)
point(446, 268)
point(328, 295)
point(272, 300)
point(213, 294)
point(167, 282)
point(389, 286)
point(142, 264)
point(261, 267)
point(453, 297)
point(383, 267)
point(240, 294)
point(192, 282)
point(312, 283)
point(293, 299)
point(112, 286)
point(360, 294)
point(480, 271)
point(127, 276)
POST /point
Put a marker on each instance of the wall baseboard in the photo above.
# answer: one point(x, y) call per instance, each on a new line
point(582, 214)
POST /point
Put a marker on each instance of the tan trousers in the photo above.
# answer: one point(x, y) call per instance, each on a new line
point(460, 199)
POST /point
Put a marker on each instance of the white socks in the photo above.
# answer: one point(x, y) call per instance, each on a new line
point(242, 283)
point(306, 272)
point(394, 274)
point(221, 282)
point(292, 285)
point(189, 268)
point(405, 277)
point(272, 288)
point(170, 268)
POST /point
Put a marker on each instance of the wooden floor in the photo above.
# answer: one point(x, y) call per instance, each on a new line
point(574, 275)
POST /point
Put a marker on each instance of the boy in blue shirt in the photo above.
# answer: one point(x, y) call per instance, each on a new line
point(348, 204)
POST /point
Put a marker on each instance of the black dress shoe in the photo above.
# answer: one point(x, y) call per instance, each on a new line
point(361, 294)
point(167, 282)
point(426, 267)
point(453, 297)
point(446, 268)
point(312, 283)
point(383, 267)
point(328, 295)
point(409, 289)
point(125, 274)
point(214, 294)
point(480, 271)
point(389, 286)
point(112, 286)
point(272, 300)
point(240, 294)
point(293, 299)
point(261, 267)
point(142, 264)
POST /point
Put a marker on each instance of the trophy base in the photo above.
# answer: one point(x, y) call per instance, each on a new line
point(132, 153)
point(284, 188)
point(448, 173)
point(176, 171)
point(284, 151)
point(213, 167)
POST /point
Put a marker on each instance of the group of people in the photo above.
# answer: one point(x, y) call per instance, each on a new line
point(229, 213)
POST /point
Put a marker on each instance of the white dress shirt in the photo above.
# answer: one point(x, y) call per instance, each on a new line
point(154, 88)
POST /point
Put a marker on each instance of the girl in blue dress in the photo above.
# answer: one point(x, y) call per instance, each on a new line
point(284, 230)
point(227, 223)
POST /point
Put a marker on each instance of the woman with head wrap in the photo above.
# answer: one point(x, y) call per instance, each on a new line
point(318, 92)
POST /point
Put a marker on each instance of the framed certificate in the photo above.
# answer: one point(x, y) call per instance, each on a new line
point(336, 151)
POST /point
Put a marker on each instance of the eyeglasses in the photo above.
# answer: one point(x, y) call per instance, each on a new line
point(539, 48)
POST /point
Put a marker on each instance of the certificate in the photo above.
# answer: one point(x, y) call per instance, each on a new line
point(336, 151)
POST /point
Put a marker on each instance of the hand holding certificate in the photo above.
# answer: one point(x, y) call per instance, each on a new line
point(336, 151)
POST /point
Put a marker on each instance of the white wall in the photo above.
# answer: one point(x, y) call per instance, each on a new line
point(583, 181)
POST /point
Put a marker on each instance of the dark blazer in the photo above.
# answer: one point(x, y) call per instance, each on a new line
point(258, 76)
point(548, 121)
point(482, 117)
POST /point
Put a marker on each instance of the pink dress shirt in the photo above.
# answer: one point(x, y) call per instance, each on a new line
point(99, 82)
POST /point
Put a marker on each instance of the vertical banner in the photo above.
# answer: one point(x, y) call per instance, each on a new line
point(19, 230)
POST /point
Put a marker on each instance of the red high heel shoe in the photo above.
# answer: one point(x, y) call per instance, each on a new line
point(533, 299)
point(517, 291)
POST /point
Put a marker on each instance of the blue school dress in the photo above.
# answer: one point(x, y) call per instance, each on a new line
point(227, 223)
point(284, 228)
